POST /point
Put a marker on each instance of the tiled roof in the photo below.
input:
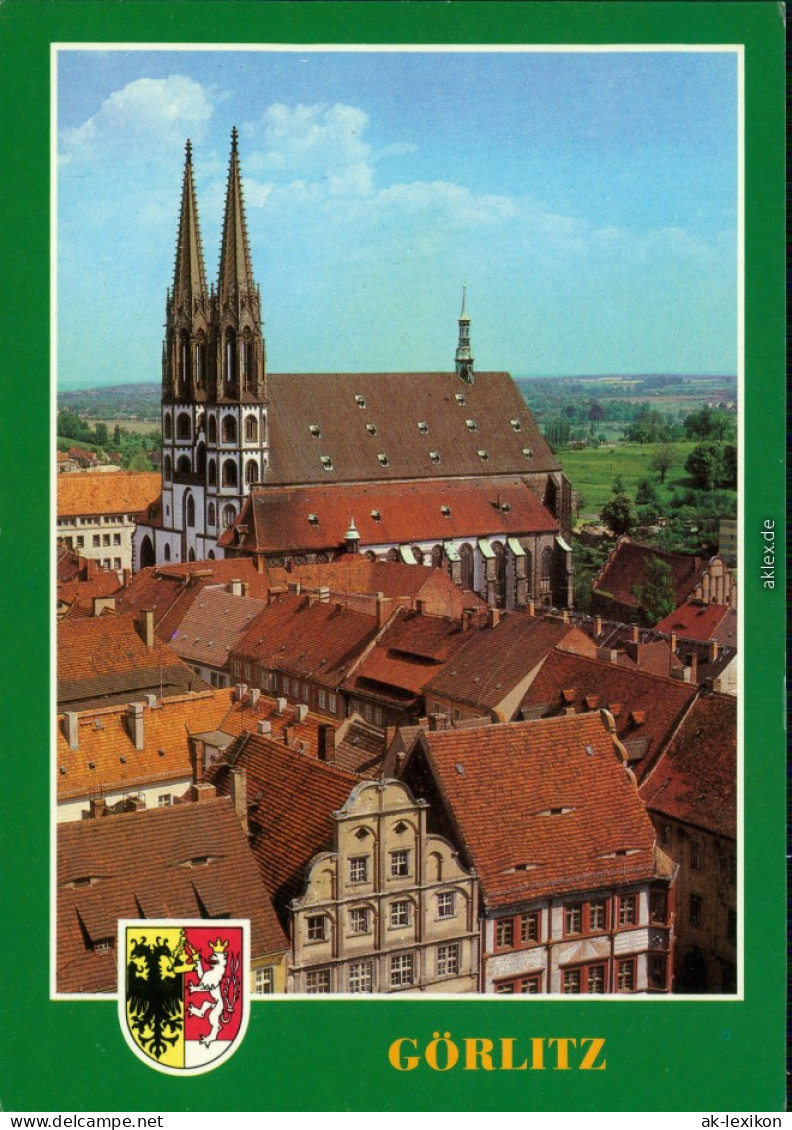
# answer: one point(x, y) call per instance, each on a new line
point(501, 785)
point(212, 626)
point(276, 521)
point(79, 594)
point(626, 568)
point(409, 653)
point(317, 641)
point(496, 660)
point(138, 865)
point(107, 492)
point(104, 658)
point(290, 799)
point(106, 759)
point(697, 621)
point(646, 708)
point(345, 407)
point(695, 780)
point(360, 748)
point(244, 717)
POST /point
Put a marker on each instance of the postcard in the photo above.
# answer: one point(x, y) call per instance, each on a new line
point(394, 535)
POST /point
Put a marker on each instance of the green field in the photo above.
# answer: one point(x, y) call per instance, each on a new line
point(592, 471)
point(134, 427)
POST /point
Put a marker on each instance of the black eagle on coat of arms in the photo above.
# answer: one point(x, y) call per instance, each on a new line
point(155, 993)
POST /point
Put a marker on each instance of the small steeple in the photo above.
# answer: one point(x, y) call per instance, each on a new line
point(352, 537)
point(235, 277)
point(189, 276)
point(463, 358)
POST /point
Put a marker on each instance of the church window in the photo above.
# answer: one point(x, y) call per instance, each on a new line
point(383, 458)
point(437, 556)
point(466, 558)
point(231, 357)
point(212, 429)
point(183, 467)
point(251, 429)
point(251, 472)
point(418, 555)
point(190, 510)
point(191, 555)
point(547, 563)
point(211, 514)
point(167, 426)
point(185, 357)
point(183, 427)
point(200, 459)
point(229, 429)
point(200, 360)
point(246, 359)
point(229, 514)
point(229, 473)
point(167, 469)
point(167, 552)
point(211, 476)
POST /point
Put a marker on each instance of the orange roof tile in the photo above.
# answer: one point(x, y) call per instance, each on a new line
point(626, 568)
point(107, 492)
point(694, 620)
point(213, 625)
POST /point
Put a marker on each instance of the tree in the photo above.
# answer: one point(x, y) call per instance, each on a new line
point(102, 434)
point(663, 460)
point(656, 594)
point(617, 486)
point(646, 493)
point(618, 514)
point(709, 424)
point(139, 462)
point(705, 464)
point(730, 465)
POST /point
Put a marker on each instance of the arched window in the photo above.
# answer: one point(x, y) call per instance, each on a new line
point(183, 426)
point(392, 555)
point(189, 510)
point(500, 572)
point(229, 514)
point(251, 429)
point(211, 514)
point(229, 473)
point(191, 555)
point(547, 563)
point(417, 554)
point(437, 556)
point(466, 557)
point(229, 429)
point(184, 358)
point(200, 459)
point(211, 555)
point(231, 357)
point(246, 361)
point(212, 429)
point(200, 359)
point(167, 426)
point(167, 469)
point(211, 475)
point(146, 553)
point(251, 472)
point(167, 552)
point(183, 467)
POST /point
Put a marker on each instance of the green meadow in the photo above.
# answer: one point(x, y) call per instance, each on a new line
point(593, 470)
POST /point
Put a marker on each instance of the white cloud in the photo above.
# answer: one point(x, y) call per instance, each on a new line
point(145, 114)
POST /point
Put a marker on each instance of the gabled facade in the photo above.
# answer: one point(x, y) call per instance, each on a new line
point(389, 909)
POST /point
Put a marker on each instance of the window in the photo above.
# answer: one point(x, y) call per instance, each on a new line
point(116, 539)
point(529, 927)
point(448, 959)
point(251, 429)
point(316, 927)
point(401, 970)
point(322, 700)
point(471, 425)
point(658, 906)
point(80, 541)
point(696, 907)
point(359, 920)
point(229, 429)
point(383, 458)
point(598, 915)
point(264, 980)
point(445, 904)
point(164, 800)
point(229, 516)
point(595, 978)
point(573, 919)
point(229, 473)
point(434, 456)
point(331, 703)
point(572, 981)
point(359, 869)
point(658, 977)
point(423, 427)
point(625, 975)
point(326, 462)
point(504, 933)
point(360, 980)
point(516, 425)
point(400, 913)
point(584, 979)
point(483, 456)
point(628, 910)
point(318, 981)
point(360, 401)
point(528, 984)
point(399, 863)
point(371, 429)
point(696, 855)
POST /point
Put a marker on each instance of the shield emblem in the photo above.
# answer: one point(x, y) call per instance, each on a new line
point(183, 991)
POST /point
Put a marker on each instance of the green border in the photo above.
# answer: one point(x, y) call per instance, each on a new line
point(683, 1055)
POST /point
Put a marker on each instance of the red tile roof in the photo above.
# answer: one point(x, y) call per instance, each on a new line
point(646, 708)
point(496, 660)
point(107, 492)
point(244, 717)
point(695, 780)
point(315, 641)
point(502, 786)
point(290, 799)
point(696, 621)
point(138, 865)
point(345, 406)
point(79, 594)
point(213, 625)
point(275, 521)
point(626, 568)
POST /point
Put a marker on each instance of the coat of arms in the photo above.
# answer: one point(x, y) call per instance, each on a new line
point(183, 991)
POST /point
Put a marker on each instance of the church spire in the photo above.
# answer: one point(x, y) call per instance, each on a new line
point(463, 359)
point(235, 278)
point(189, 276)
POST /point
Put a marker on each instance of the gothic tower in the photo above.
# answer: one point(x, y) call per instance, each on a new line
point(463, 358)
point(214, 401)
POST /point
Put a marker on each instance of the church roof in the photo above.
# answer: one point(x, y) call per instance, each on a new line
point(107, 492)
point(189, 276)
point(353, 427)
point(235, 277)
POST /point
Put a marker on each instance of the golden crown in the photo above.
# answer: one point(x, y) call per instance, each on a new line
point(218, 946)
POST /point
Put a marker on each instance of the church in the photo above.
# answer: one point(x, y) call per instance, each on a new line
point(442, 468)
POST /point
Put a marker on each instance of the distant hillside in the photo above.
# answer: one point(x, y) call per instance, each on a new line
point(117, 402)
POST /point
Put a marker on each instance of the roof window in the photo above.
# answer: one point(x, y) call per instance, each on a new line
point(371, 429)
point(423, 427)
point(434, 456)
point(482, 454)
point(375, 514)
point(471, 425)
point(516, 425)
point(383, 458)
point(327, 462)
point(528, 453)
point(315, 430)
point(445, 511)
point(360, 401)
point(460, 398)
point(313, 519)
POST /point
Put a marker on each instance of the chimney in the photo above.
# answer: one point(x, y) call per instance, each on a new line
point(597, 625)
point(235, 587)
point(713, 650)
point(70, 728)
point(288, 733)
point(565, 617)
point(493, 617)
point(300, 712)
point(135, 723)
point(438, 722)
point(280, 705)
point(255, 695)
point(97, 806)
point(240, 690)
point(382, 608)
point(531, 608)
point(102, 604)
point(673, 641)
point(264, 726)
point(327, 741)
point(202, 791)
point(259, 563)
point(694, 667)
point(146, 627)
point(151, 701)
point(294, 586)
point(420, 607)
point(636, 634)
point(323, 592)
point(239, 796)
point(467, 613)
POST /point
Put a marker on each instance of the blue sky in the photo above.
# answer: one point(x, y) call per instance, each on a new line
point(588, 200)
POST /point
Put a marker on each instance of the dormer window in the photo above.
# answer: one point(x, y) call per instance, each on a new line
point(360, 401)
point(516, 425)
point(445, 511)
point(327, 462)
point(483, 456)
point(471, 425)
point(460, 398)
point(434, 456)
point(423, 427)
point(315, 430)
point(313, 519)
point(528, 453)
point(375, 514)
point(383, 458)
point(371, 429)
